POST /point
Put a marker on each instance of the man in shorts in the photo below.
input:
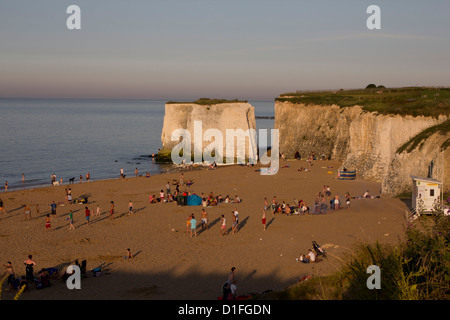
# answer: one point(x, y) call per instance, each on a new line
point(204, 219)
point(53, 208)
point(88, 214)
point(193, 226)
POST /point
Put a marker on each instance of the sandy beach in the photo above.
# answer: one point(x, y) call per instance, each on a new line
point(169, 264)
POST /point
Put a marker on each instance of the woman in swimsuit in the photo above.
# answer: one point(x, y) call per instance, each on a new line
point(29, 264)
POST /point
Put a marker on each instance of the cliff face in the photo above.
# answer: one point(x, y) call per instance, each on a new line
point(365, 141)
point(221, 116)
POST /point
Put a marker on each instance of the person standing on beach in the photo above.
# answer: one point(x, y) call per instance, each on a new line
point(130, 207)
point(336, 203)
point(264, 218)
point(161, 196)
point(347, 200)
point(53, 209)
point(188, 223)
point(121, 173)
point(111, 211)
point(48, 226)
point(71, 227)
point(129, 255)
point(193, 226)
point(167, 187)
point(204, 219)
point(6, 186)
point(223, 226)
point(2, 208)
point(88, 214)
point(98, 211)
point(27, 212)
point(136, 172)
point(232, 276)
point(29, 265)
point(234, 225)
point(10, 272)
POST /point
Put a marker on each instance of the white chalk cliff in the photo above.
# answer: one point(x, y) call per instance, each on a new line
point(365, 141)
point(223, 116)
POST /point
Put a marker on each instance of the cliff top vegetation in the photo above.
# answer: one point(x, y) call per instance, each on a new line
point(207, 101)
point(415, 101)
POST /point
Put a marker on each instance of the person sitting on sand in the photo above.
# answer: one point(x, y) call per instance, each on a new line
point(43, 276)
point(311, 257)
point(227, 199)
point(304, 209)
point(366, 194)
point(152, 199)
point(287, 210)
point(237, 199)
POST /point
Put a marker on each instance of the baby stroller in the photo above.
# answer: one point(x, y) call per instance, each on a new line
point(319, 251)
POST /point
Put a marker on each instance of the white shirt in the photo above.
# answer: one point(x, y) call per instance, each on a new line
point(312, 256)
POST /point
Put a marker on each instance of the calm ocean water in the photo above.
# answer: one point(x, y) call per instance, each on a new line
point(39, 137)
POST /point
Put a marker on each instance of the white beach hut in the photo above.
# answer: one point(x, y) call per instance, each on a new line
point(425, 193)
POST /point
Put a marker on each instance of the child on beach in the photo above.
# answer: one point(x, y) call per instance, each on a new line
point(161, 196)
point(223, 226)
point(111, 211)
point(48, 227)
point(87, 214)
point(130, 207)
point(188, 224)
point(10, 272)
point(98, 210)
point(71, 227)
point(27, 212)
point(264, 218)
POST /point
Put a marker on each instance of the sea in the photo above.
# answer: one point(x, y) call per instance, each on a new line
point(73, 137)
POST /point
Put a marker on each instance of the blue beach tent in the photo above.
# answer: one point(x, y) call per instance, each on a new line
point(194, 200)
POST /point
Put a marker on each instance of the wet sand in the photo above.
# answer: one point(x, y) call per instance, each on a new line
point(170, 265)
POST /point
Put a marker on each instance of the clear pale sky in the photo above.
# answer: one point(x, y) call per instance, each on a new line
point(244, 49)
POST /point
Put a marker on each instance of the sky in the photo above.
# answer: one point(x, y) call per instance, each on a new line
point(245, 49)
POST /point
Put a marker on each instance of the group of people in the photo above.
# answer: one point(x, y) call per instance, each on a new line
point(300, 207)
point(191, 223)
point(212, 200)
point(41, 281)
point(229, 288)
